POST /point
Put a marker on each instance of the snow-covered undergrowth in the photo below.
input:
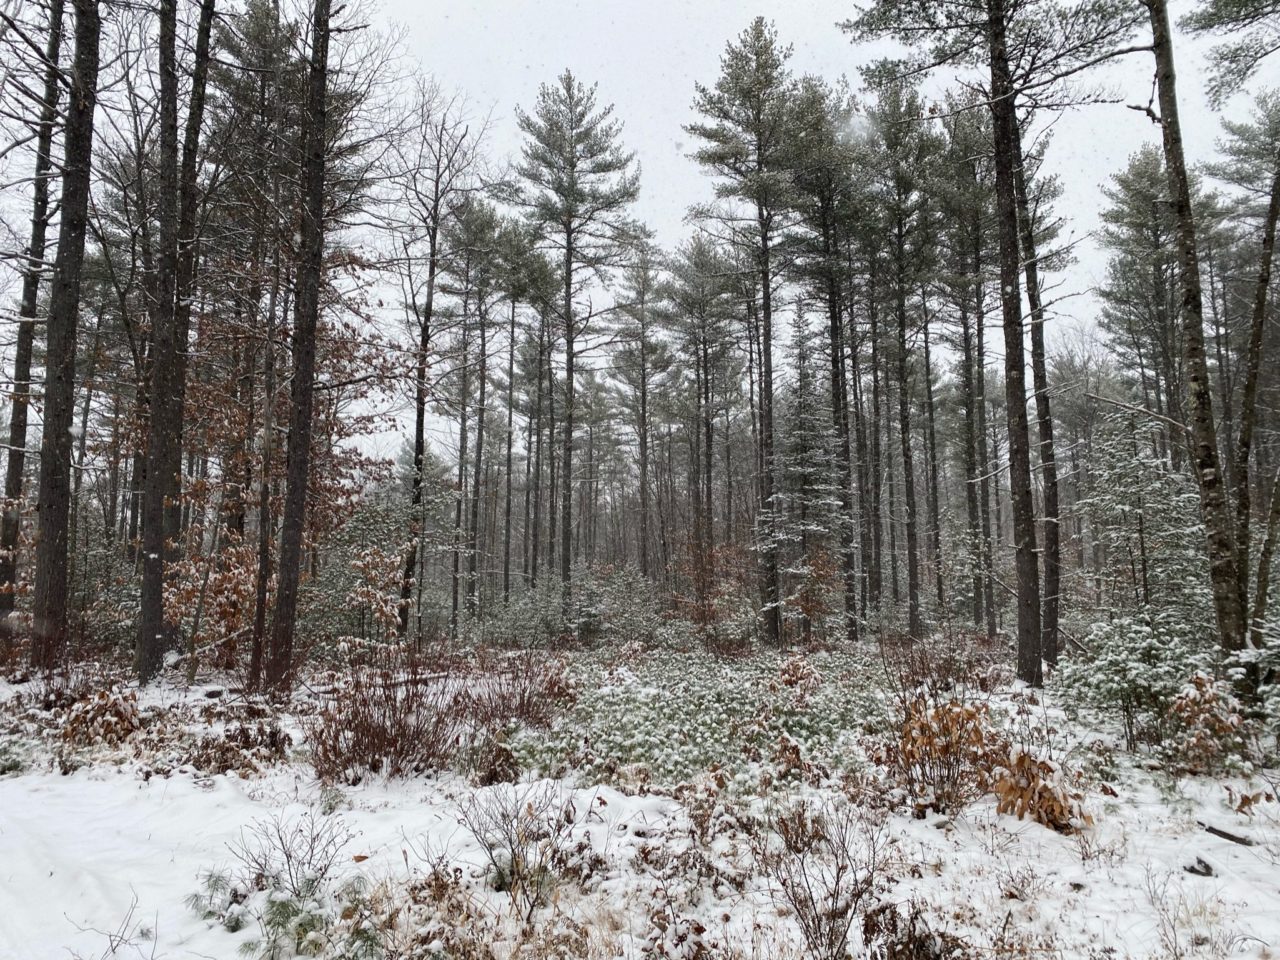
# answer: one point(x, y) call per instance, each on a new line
point(673, 804)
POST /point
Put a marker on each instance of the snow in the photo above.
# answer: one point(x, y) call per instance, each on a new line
point(105, 849)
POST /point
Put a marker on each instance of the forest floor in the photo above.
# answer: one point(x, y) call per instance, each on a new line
point(677, 804)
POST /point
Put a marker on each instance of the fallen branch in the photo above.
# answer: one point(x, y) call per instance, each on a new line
point(1233, 837)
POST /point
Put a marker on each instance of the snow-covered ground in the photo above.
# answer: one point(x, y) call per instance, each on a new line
point(108, 856)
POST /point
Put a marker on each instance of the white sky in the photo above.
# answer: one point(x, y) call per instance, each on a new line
point(646, 57)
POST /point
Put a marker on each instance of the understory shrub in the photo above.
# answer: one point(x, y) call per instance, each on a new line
point(1029, 786)
point(524, 831)
point(950, 752)
point(827, 862)
point(1208, 726)
point(394, 719)
point(894, 931)
point(107, 717)
point(399, 715)
point(941, 754)
point(1137, 666)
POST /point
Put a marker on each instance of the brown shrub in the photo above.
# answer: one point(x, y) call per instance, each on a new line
point(401, 715)
point(1027, 786)
point(892, 933)
point(107, 717)
point(1209, 725)
point(395, 720)
point(244, 748)
point(941, 755)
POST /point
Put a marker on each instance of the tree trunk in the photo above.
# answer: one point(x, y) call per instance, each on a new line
point(306, 320)
point(772, 583)
point(566, 467)
point(931, 439)
point(461, 484)
point(171, 312)
point(1265, 555)
point(1023, 507)
point(840, 422)
point(1044, 418)
point(1249, 397)
point(967, 395)
point(424, 316)
point(473, 535)
point(49, 633)
point(1220, 540)
point(11, 519)
point(506, 500)
point(915, 629)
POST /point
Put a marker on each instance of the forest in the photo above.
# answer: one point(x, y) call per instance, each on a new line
point(409, 549)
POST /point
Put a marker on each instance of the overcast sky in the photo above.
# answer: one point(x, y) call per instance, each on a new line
point(646, 56)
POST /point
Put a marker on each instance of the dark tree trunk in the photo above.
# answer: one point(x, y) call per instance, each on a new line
point(1224, 577)
point(1265, 555)
point(984, 457)
point(967, 396)
point(772, 583)
point(643, 439)
point(10, 521)
point(876, 469)
point(840, 421)
point(1020, 494)
point(161, 423)
point(566, 466)
point(931, 437)
point(1044, 418)
point(535, 536)
point(914, 626)
point(506, 500)
point(424, 316)
point(1249, 396)
point(171, 313)
point(49, 633)
point(306, 319)
point(461, 483)
point(473, 534)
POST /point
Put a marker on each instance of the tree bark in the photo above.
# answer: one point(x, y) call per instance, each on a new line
point(1044, 418)
point(306, 320)
point(49, 633)
point(1249, 396)
point(772, 582)
point(1219, 533)
point(506, 500)
point(915, 628)
point(566, 466)
point(1023, 507)
point(11, 519)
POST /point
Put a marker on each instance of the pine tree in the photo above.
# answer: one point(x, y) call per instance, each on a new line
point(577, 182)
point(746, 139)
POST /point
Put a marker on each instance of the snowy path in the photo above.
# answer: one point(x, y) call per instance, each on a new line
point(76, 851)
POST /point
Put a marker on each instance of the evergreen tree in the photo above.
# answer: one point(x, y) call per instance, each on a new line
point(577, 182)
point(745, 133)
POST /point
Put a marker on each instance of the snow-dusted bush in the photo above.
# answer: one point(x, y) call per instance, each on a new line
point(1035, 787)
point(288, 883)
point(397, 713)
point(394, 719)
point(524, 831)
point(108, 717)
point(1136, 667)
point(941, 752)
point(1208, 726)
point(826, 863)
